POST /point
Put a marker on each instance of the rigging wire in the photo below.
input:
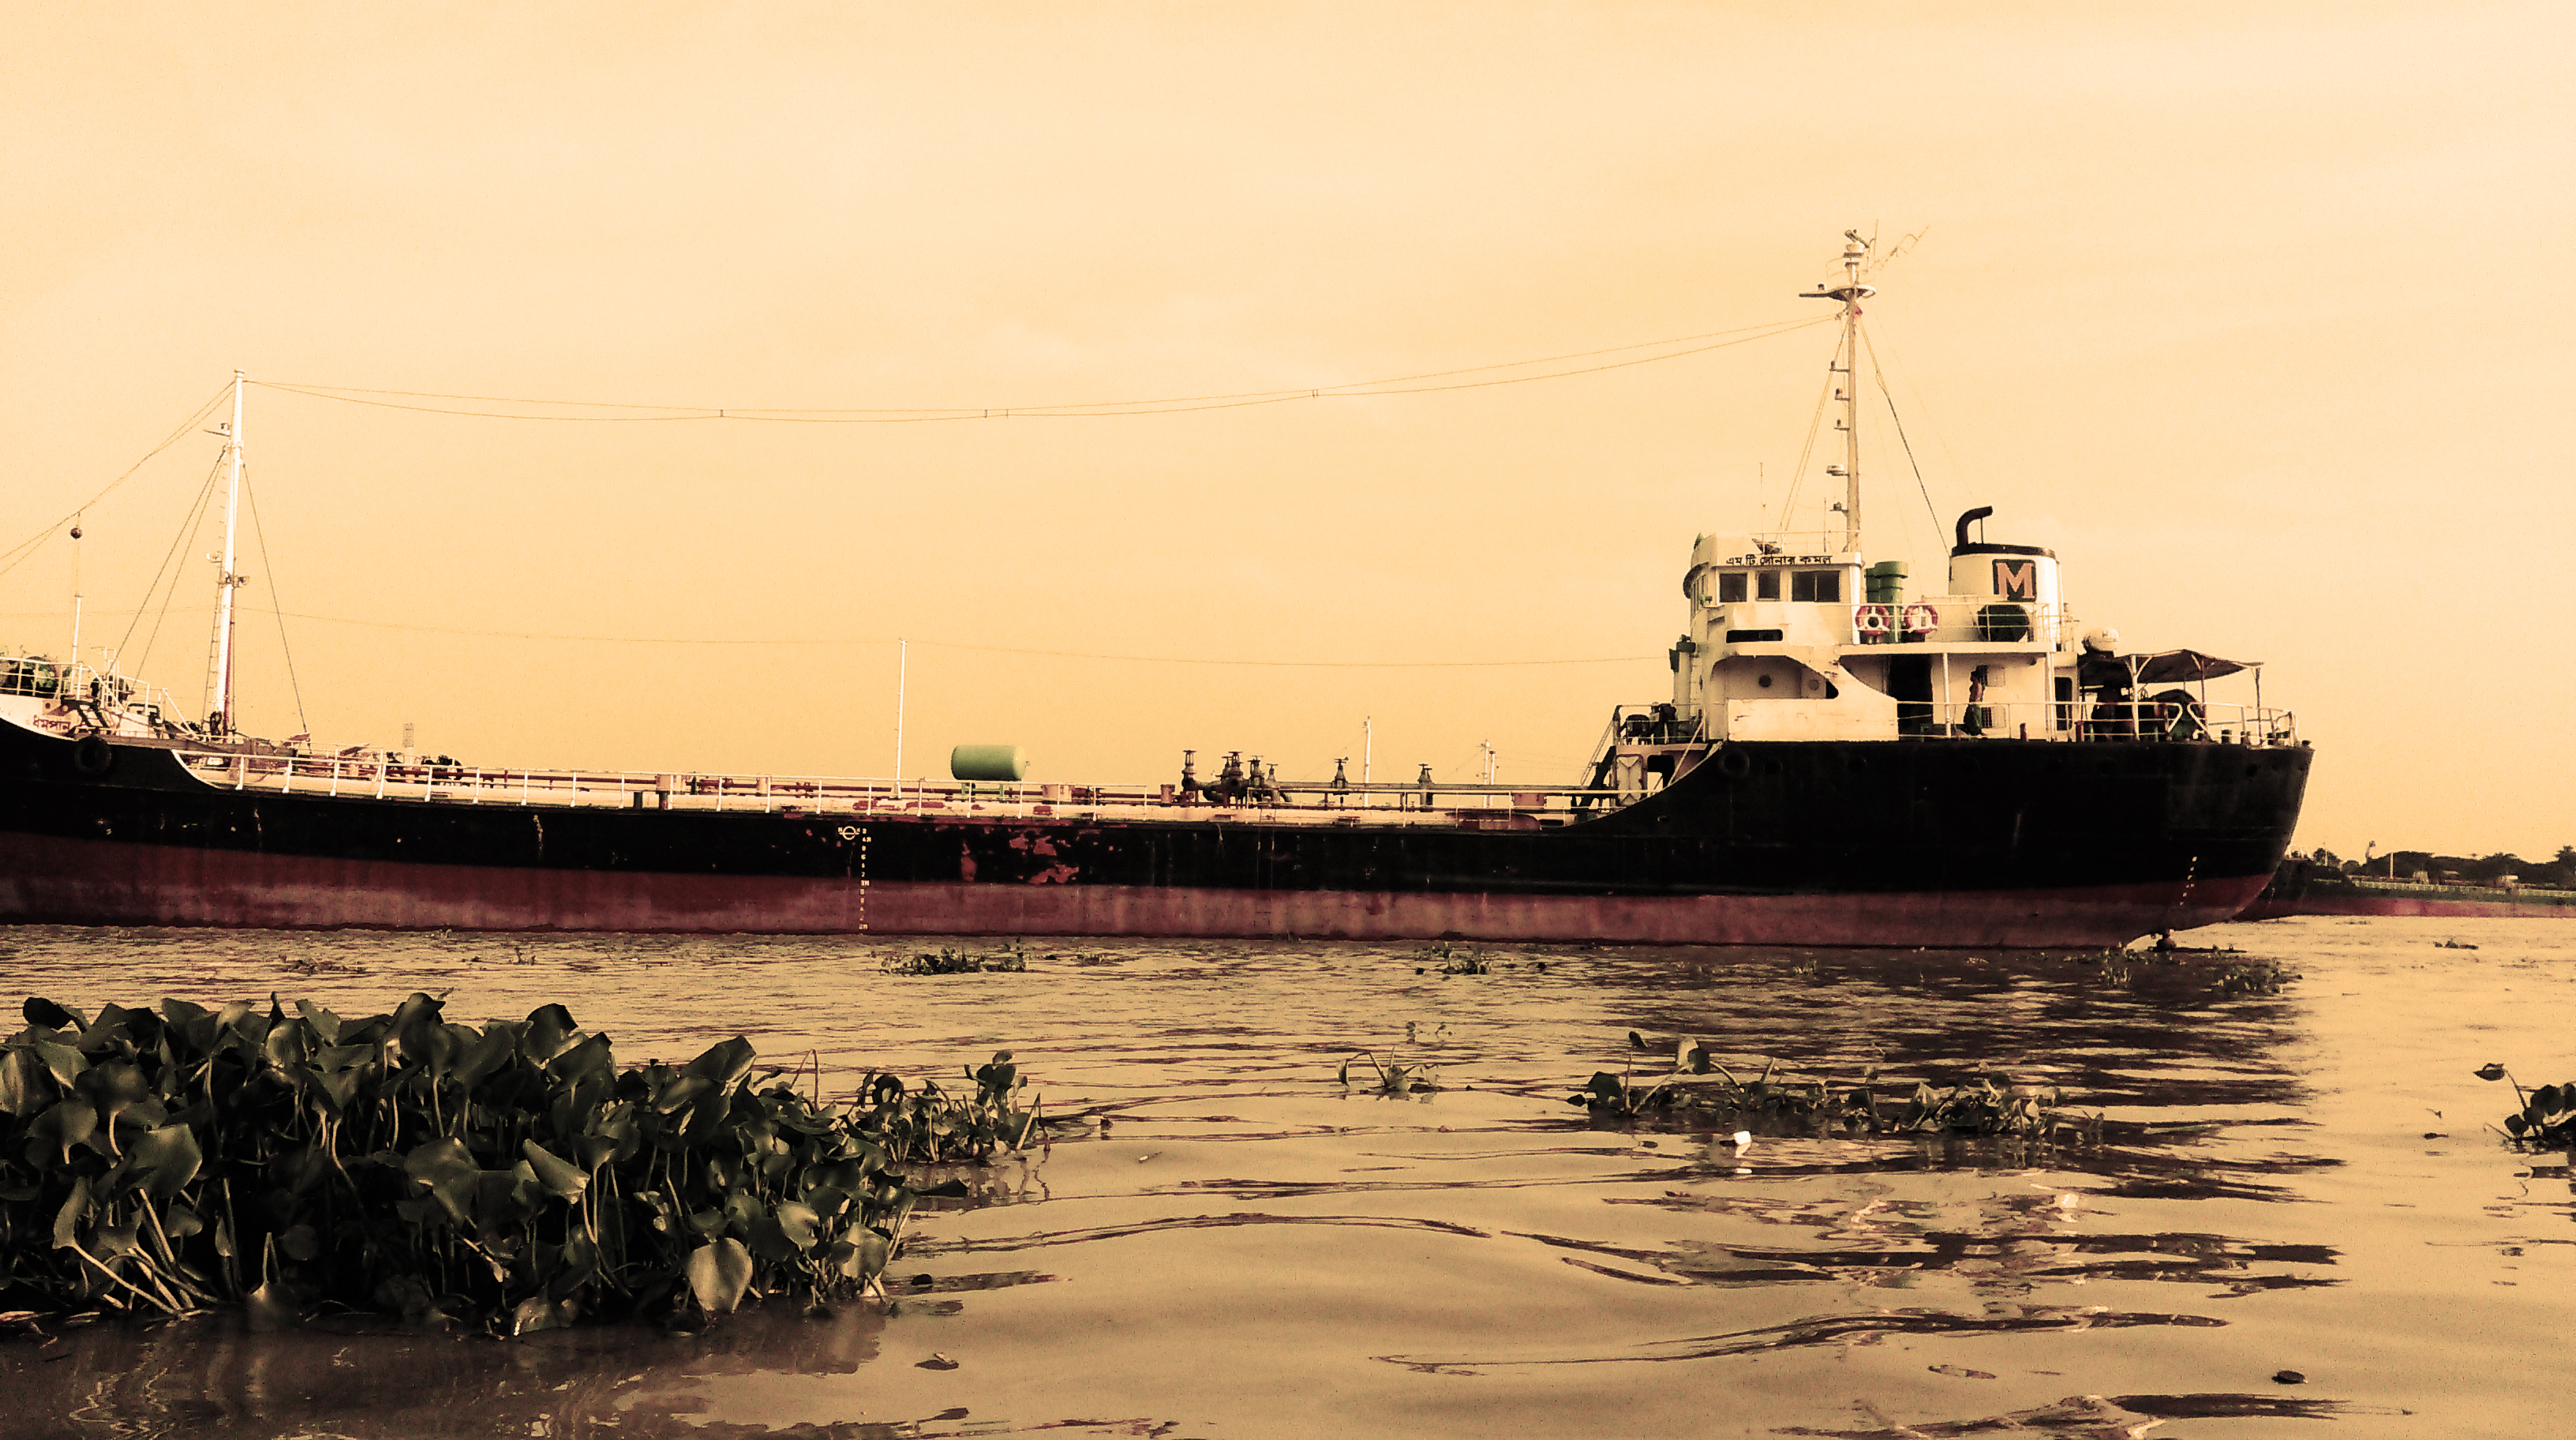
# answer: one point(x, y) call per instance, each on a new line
point(187, 531)
point(10, 558)
point(1167, 400)
point(1879, 372)
point(1090, 410)
point(294, 687)
point(829, 640)
point(1815, 423)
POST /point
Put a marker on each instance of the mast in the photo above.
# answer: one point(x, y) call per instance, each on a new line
point(1851, 292)
point(221, 683)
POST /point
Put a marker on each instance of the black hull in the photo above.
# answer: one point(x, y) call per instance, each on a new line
point(1912, 842)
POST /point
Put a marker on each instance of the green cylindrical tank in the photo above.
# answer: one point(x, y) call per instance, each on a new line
point(988, 762)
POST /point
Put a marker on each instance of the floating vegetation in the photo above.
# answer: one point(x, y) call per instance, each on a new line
point(925, 1125)
point(1989, 1105)
point(2547, 1120)
point(2451, 945)
point(1986, 1105)
point(1394, 1079)
point(2261, 977)
point(1458, 960)
point(1010, 959)
point(1726, 1093)
point(506, 1178)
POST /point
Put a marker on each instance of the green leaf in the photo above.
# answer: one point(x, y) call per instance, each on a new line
point(548, 1029)
point(69, 1123)
point(799, 1222)
point(165, 1160)
point(66, 1063)
point(287, 1044)
point(719, 1274)
point(589, 1058)
point(75, 1209)
point(724, 1063)
point(561, 1178)
point(489, 1052)
point(682, 1091)
point(326, 1026)
point(26, 1087)
point(41, 1011)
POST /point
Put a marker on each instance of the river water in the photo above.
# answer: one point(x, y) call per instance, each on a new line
point(1220, 1239)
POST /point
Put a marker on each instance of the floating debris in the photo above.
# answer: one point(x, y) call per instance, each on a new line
point(1010, 959)
point(2547, 1120)
point(1394, 1079)
point(2262, 977)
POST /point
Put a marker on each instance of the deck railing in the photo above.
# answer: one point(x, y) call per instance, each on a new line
point(397, 777)
point(1516, 805)
point(2149, 717)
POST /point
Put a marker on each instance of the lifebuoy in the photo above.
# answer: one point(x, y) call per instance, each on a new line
point(1734, 764)
point(1921, 619)
point(1872, 619)
point(91, 756)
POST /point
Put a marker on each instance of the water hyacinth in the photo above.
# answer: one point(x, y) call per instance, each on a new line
point(509, 1177)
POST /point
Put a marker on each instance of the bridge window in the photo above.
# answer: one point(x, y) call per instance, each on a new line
point(1730, 587)
point(1766, 585)
point(1821, 586)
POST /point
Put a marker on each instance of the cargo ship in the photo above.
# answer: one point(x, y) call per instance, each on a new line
point(1838, 762)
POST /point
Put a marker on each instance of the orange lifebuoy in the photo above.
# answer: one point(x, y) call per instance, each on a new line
point(1921, 619)
point(1871, 619)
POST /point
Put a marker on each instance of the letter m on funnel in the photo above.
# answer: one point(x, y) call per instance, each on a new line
point(2017, 579)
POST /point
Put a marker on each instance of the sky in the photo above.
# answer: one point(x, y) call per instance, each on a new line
point(2257, 316)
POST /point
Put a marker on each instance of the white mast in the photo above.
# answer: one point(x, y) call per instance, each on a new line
point(1851, 292)
point(220, 684)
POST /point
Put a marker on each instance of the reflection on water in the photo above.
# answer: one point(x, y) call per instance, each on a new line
point(1216, 1239)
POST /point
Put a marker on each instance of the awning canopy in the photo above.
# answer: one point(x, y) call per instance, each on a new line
point(2172, 666)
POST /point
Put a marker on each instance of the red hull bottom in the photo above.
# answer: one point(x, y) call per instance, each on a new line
point(91, 882)
point(2401, 905)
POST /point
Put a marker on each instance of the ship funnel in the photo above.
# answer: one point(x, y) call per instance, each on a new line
point(2025, 574)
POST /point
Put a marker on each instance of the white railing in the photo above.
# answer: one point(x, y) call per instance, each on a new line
point(105, 694)
point(2149, 717)
point(398, 777)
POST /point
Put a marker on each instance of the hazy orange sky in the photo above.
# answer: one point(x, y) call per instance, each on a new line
point(2259, 316)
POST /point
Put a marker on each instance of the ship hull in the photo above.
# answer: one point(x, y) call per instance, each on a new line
point(1963, 842)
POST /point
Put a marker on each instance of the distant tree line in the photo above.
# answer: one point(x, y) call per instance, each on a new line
point(2558, 872)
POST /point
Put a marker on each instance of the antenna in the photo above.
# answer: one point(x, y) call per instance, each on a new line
point(219, 683)
point(1851, 292)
